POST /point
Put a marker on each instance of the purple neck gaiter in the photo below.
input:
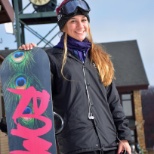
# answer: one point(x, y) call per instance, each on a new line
point(77, 48)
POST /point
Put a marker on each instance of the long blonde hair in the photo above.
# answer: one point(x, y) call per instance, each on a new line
point(99, 57)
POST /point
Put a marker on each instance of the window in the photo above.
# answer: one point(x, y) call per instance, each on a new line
point(126, 101)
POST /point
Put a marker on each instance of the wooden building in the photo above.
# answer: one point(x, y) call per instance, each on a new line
point(6, 12)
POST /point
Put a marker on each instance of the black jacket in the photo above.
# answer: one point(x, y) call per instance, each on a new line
point(71, 94)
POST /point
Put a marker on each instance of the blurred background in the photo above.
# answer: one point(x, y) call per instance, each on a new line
point(125, 28)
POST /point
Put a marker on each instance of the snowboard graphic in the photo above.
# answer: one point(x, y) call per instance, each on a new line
point(26, 85)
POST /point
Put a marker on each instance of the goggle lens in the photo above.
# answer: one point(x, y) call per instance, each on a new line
point(71, 6)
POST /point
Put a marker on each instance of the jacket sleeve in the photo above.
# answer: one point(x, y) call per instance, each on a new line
point(119, 117)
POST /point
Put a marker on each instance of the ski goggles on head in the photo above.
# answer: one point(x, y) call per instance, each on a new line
point(71, 7)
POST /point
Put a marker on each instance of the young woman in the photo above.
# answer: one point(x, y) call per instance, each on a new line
point(84, 93)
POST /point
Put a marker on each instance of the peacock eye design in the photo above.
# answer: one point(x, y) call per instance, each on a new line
point(27, 120)
point(20, 82)
point(27, 110)
point(18, 56)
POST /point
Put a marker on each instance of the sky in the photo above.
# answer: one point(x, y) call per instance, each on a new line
point(111, 21)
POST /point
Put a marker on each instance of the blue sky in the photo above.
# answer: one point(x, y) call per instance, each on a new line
point(111, 21)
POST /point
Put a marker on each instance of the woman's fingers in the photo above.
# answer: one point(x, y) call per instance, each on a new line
point(27, 46)
point(124, 147)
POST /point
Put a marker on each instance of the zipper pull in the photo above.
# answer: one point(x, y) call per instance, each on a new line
point(90, 116)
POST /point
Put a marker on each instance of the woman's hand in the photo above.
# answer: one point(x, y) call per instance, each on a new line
point(124, 147)
point(27, 46)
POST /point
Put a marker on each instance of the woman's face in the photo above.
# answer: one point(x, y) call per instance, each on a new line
point(77, 27)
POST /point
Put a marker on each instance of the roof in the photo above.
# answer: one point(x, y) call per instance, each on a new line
point(129, 69)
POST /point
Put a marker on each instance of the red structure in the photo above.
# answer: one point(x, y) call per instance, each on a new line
point(6, 12)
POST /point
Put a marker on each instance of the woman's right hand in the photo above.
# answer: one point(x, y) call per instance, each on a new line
point(27, 46)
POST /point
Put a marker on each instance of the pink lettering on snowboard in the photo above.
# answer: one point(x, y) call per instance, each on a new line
point(32, 143)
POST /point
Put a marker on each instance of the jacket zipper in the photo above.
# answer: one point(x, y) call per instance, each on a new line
point(90, 115)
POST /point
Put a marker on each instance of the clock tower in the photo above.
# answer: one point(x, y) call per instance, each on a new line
point(42, 12)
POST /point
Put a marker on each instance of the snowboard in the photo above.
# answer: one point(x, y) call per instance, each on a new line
point(26, 86)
